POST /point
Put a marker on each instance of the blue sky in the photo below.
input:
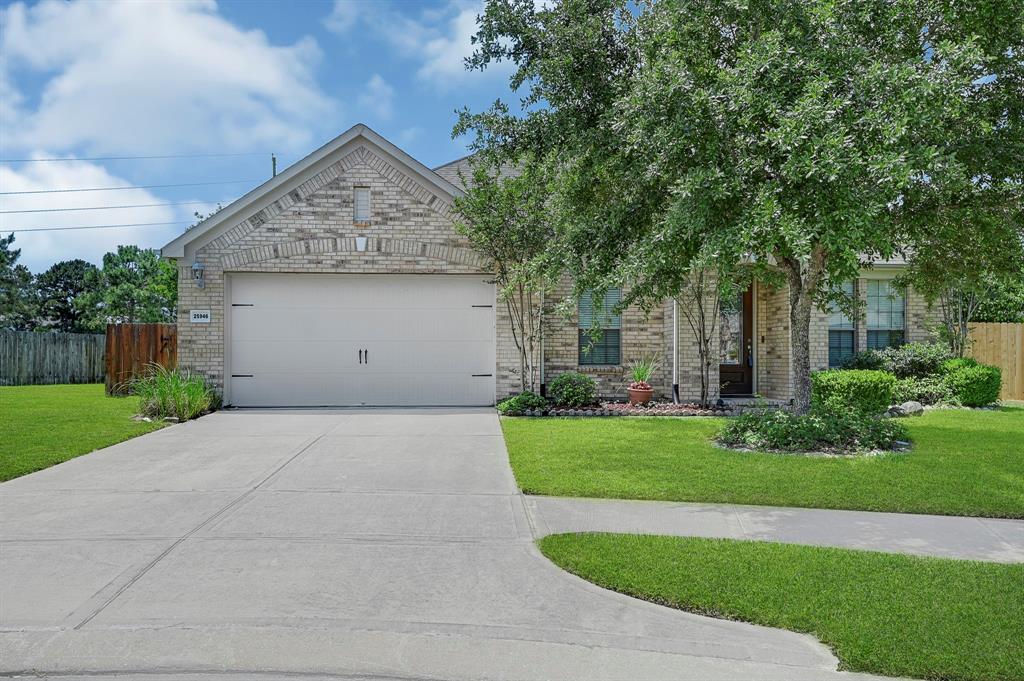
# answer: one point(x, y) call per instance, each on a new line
point(101, 79)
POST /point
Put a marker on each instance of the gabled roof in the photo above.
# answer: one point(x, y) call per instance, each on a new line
point(300, 172)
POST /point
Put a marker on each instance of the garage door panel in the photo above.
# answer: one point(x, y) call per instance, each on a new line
point(294, 340)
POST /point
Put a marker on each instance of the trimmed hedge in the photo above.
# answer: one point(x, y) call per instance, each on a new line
point(975, 386)
point(521, 403)
point(926, 390)
point(572, 389)
point(862, 390)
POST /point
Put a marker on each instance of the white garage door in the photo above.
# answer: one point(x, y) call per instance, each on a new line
point(343, 340)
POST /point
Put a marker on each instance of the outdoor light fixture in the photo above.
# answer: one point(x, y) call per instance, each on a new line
point(199, 274)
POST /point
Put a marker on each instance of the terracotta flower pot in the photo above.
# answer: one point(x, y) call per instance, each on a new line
point(640, 396)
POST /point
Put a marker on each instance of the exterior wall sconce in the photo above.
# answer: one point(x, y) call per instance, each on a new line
point(360, 243)
point(199, 274)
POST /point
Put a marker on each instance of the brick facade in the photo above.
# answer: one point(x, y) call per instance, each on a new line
point(311, 229)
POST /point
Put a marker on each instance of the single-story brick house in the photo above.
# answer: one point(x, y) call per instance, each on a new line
point(342, 281)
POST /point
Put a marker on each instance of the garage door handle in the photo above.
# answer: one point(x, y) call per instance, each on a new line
point(366, 354)
point(360, 356)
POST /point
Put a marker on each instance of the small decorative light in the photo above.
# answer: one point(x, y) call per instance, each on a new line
point(360, 243)
point(199, 274)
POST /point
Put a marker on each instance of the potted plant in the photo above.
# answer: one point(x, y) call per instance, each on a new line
point(640, 390)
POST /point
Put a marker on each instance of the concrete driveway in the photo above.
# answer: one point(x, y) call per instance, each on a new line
point(378, 543)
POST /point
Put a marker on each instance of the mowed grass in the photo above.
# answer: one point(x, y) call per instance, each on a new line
point(43, 425)
point(962, 463)
point(881, 613)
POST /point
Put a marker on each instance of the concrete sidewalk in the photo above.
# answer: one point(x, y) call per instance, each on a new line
point(986, 539)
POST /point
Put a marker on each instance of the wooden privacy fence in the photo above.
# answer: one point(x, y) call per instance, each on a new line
point(29, 358)
point(131, 347)
point(1002, 345)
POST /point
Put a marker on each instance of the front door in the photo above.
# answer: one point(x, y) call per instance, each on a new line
point(736, 343)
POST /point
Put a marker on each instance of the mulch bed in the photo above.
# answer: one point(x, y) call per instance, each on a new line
point(626, 409)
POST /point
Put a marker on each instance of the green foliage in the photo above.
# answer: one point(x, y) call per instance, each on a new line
point(845, 432)
point(975, 386)
point(926, 390)
point(169, 392)
point(503, 215)
point(1004, 302)
point(134, 285)
point(884, 613)
point(861, 390)
point(916, 360)
point(949, 366)
point(18, 302)
point(572, 389)
point(58, 289)
point(523, 402)
point(641, 370)
point(805, 133)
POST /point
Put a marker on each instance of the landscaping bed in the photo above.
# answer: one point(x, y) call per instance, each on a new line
point(627, 409)
point(880, 613)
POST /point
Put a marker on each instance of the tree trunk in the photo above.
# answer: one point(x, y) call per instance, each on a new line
point(800, 350)
point(803, 279)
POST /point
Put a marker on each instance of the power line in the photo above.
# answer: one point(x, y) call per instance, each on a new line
point(140, 186)
point(135, 205)
point(61, 229)
point(127, 158)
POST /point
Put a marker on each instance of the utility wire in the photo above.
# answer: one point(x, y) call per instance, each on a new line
point(126, 158)
point(61, 229)
point(135, 205)
point(141, 186)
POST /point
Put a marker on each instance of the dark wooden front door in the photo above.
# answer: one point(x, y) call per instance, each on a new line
point(736, 344)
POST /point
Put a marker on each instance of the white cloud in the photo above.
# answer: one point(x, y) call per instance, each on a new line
point(437, 38)
point(378, 98)
point(154, 77)
point(409, 135)
point(39, 250)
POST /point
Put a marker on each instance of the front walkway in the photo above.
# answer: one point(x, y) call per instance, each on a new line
point(385, 543)
point(987, 539)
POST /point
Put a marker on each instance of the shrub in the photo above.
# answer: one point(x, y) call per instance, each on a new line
point(913, 360)
point(867, 360)
point(927, 390)
point(840, 432)
point(862, 390)
point(521, 403)
point(975, 386)
point(172, 393)
point(951, 365)
point(573, 390)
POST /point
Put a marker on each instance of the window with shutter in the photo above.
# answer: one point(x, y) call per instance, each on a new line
point(362, 204)
point(598, 314)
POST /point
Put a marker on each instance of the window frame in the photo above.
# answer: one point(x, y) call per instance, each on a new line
point(890, 331)
point(610, 328)
point(842, 328)
point(356, 191)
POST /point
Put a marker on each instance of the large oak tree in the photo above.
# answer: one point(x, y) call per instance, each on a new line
point(805, 137)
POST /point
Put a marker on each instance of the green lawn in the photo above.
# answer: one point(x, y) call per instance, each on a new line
point(42, 425)
point(962, 463)
point(881, 613)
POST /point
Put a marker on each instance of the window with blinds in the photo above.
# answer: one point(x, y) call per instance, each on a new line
point(598, 314)
point(886, 314)
point(841, 341)
point(362, 204)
